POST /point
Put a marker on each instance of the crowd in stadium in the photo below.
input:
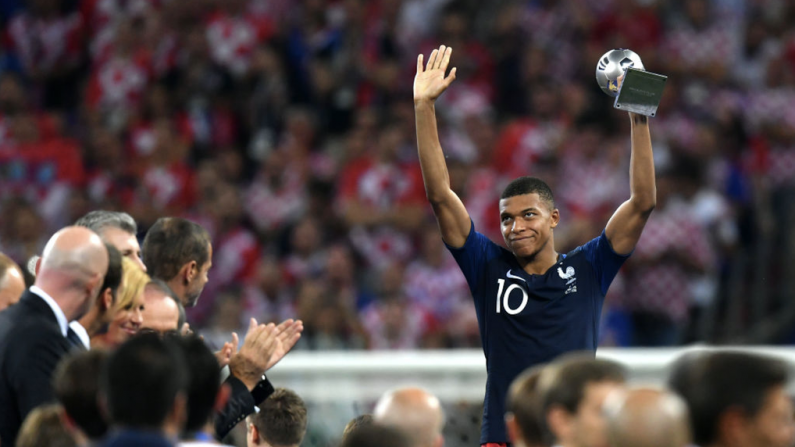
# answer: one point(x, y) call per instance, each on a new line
point(178, 177)
point(286, 129)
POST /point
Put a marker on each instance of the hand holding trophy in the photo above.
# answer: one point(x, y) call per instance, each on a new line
point(639, 92)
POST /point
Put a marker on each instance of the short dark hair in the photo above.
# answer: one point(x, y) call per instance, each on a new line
point(76, 386)
point(141, 381)
point(101, 219)
point(282, 418)
point(529, 185)
point(113, 276)
point(712, 383)
point(525, 404)
point(162, 286)
point(571, 374)
point(173, 242)
point(377, 435)
point(356, 423)
point(203, 383)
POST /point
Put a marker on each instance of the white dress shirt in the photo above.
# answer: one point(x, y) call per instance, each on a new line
point(56, 309)
point(81, 333)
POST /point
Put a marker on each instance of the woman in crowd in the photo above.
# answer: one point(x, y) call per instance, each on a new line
point(128, 312)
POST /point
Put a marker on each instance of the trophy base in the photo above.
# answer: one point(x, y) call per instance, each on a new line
point(640, 92)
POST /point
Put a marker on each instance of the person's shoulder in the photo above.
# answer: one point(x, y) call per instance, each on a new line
point(599, 243)
point(23, 321)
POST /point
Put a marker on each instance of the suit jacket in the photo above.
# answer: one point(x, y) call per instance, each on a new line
point(241, 403)
point(31, 345)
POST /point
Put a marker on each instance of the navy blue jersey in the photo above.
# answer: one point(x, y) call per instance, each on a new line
point(525, 319)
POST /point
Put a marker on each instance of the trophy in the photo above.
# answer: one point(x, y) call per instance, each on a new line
point(640, 91)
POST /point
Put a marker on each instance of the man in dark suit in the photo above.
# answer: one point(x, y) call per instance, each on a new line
point(180, 252)
point(33, 333)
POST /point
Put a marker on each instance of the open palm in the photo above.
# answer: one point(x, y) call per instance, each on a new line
point(431, 82)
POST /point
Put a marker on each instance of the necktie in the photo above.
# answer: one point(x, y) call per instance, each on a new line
point(74, 339)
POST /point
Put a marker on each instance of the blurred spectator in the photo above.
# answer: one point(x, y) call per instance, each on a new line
point(392, 321)
point(377, 435)
point(573, 390)
point(736, 399)
point(76, 386)
point(378, 197)
point(45, 427)
point(523, 417)
point(12, 282)
point(331, 325)
point(49, 46)
point(145, 366)
point(204, 392)
point(281, 420)
point(357, 423)
point(253, 116)
point(673, 248)
point(434, 281)
point(277, 196)
point(647, 417)
point(416, 412)
point(267, 297)
point(701, 43)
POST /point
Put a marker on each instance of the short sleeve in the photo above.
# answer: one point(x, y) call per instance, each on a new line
point(473, 257)
point(604, 260)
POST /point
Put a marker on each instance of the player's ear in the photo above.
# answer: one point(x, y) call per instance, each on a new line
point(554, 217)
point(513, 428)
point(559, 423)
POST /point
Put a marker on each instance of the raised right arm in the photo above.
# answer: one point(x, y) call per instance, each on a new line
point(429, 83)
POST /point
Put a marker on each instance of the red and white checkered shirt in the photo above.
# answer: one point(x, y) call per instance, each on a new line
point(383, 186)
point(441, 290)
point(272, 207)
point(662, 285)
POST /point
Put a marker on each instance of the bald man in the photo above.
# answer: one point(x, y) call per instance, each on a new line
point(161, 310)
point(415, 412)
point(646, 417)
point(33, 333)
point(12, 282)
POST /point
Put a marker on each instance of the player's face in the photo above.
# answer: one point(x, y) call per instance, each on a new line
point(526, 222)
point(774, 425)
point(589, 423)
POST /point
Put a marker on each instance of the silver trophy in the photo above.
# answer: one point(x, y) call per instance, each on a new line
point(640, 91)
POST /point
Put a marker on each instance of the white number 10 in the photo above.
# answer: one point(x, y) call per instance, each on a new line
point(503, 299)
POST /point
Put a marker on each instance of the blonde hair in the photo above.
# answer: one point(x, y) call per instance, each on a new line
point(133, 281)
point(44, 426)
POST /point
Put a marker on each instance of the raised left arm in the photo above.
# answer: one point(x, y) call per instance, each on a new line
point(624, 228)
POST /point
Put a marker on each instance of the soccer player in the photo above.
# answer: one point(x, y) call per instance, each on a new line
point(532, 302)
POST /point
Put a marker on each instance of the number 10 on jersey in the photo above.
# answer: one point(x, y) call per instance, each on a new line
point(503, 300)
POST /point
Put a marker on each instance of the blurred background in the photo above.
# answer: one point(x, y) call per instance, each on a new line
point(286, 129)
